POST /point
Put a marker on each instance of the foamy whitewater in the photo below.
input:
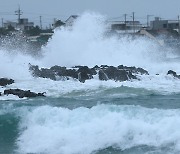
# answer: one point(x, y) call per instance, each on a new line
point(95, 117)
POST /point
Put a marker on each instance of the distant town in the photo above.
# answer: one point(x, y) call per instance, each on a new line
point(35, 33)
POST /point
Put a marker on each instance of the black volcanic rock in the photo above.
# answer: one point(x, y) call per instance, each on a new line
point(43, 72)
point(5, 81)
point(83, 73)
point(102, 75)
point(22, 93)
point(134, 70)
point(113, 73)
point(173, 73)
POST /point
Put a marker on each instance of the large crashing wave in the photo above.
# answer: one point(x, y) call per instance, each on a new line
point(14, 64)
point(58, 130)
point(87, 43)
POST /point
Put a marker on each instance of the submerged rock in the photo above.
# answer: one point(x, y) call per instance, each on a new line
point(5, 81)
point(173, 73)
point(22, 93)
point(83, 73)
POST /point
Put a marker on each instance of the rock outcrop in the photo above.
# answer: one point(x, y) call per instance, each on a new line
point(83, 73)
point(22, 93)
point(5, 81)
point(113, 73)
point(173, 73)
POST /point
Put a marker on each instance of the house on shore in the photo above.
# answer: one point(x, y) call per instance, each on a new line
point(124, 27)
point(23, 24)
point(159, 24)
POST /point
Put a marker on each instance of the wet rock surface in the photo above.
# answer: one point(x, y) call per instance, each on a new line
point(83, 73)
point(173, 73)
point(22, 93)
point(5, 81)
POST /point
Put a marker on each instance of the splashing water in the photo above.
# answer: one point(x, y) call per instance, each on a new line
point(96, 115)
point(86, 44)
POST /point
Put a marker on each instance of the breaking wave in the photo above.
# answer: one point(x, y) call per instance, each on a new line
point(90, 43)
point(58, 130)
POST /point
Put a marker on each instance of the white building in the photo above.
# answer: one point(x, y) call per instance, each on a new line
point(122, 26)
point(159, 24)
point(23, 24)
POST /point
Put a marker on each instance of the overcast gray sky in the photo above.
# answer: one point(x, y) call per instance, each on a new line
point(61, 9)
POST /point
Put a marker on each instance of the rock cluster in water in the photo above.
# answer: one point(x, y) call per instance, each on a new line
point(174, 74)
point(5, 81)
point(18, 92)
point(83, 73)
point(22, 93)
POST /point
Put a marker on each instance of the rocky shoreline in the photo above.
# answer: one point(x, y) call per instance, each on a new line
point(83, 73)
point(80, 73)
point(18, 92)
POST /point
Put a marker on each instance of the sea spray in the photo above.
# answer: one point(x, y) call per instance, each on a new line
point(14, 65)
point(87, 43)
point(96, 115)
point(59, 130)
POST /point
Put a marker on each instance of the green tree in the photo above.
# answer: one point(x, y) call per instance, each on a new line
point(58, 23)
point(10, 28)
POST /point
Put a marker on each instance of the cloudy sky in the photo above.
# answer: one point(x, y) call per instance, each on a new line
point(50, 9)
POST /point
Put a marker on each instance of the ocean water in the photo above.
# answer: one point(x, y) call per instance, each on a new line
point(95, 117)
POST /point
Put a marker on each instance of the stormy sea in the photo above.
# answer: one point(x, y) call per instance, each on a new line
point(136, 116)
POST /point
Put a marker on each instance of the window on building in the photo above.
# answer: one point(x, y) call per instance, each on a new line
point(164, 25)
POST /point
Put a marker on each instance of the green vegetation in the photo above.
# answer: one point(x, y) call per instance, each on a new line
point(4, 31)
point(33, 32)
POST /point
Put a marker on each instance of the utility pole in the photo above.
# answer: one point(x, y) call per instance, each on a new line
point(2, 22)
point(179, 25)
point(133, 23)
point(40, 20)
point(125, 15)
point(148, 16)
point(19, 13)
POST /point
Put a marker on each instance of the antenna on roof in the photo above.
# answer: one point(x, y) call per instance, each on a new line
point(19, 13)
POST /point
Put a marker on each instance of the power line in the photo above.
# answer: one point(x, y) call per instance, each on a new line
point(40, 20)
point(2, 22)
point(19, 13)
point(133, 22)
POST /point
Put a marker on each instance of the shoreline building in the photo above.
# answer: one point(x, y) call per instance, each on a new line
point(23, 24)
point(124, 26)
point(159, 24)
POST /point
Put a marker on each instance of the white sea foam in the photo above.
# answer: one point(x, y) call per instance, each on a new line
point(154, 84)
point(15, 65)
point(58, 130)
point(86, 43)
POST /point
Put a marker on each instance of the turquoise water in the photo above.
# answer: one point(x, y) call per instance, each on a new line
point(19, 119)
point(96, 117)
